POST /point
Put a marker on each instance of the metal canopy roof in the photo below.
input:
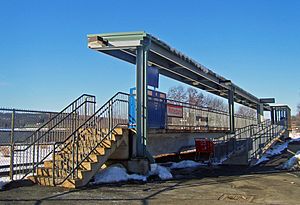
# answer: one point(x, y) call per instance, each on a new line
point(171, 63)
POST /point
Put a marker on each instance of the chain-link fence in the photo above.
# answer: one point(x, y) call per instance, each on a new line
point(17, 125)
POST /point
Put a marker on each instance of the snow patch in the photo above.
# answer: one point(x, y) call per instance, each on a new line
point(276, 150)
point(119, 174)
point(116, 174)
point(262, 159)
point(185, 164)
point(294, 136)
point(279, 148)
point(3, 181)
point(293, 162)
point(162, 172)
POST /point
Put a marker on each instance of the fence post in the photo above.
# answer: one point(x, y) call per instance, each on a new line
point(110, 122)
point(11, 167)
point(73, 156)
point(85, 109)
point(53, 164)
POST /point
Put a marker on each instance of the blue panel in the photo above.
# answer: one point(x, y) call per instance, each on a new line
point(152, 76)
point(156, 109)
point(132, 109)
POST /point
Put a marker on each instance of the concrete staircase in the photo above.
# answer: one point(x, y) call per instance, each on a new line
point(91, 164)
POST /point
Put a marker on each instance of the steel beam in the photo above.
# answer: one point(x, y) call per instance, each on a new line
point(231, 110)
point(260, 112)
point(175, 64)
point(141, 98)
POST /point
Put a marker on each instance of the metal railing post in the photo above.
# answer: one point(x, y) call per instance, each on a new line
point(73, 156)
point(11, 167)
point(33, 153)
point(53, 164)
point(85, 109)
point(76, 164)
point(110, 119)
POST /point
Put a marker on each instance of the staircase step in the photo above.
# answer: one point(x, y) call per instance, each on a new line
point(48, 181)
point(88, 168)
point(116, 131)
point(44, 181)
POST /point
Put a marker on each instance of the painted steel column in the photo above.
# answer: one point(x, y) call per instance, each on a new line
point(231, 110)
point(260, 113)
point(275, 116)
point(272, 115)
point(141, 99)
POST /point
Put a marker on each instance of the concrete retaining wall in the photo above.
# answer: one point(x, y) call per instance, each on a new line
point(163, 143)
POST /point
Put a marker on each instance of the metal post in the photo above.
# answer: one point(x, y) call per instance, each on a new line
point(53, 164)
point(260, 112)
point(272, 115)
point(11, 167)
point(110, 121)
point(73, 156)
point(85, 109)
point(231, 110)
point(141, 96)
point(33, 155)
point(275, 116)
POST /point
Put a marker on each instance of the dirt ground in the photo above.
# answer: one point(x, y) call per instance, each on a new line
point(219, 185)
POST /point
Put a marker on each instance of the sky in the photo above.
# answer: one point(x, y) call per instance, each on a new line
point(45, 62)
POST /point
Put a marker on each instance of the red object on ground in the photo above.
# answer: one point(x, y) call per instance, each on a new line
point(204, 146)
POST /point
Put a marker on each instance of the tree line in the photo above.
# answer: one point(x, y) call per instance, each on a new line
point(195, 97)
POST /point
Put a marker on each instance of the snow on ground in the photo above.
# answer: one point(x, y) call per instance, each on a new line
point(276, 150)
point(293, 162)
point(294, 136)
point(185, 164)
point(3, 181)
point(262, 159)
point(162, 172)
point(116, 174)
point(119, 174)
point(279, 148)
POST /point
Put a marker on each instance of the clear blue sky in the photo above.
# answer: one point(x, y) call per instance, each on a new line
point(45, 62)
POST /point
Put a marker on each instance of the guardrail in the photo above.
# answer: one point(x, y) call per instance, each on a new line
point(102, 123)
point(28, 152)
point(196, 117)
point(252, 139)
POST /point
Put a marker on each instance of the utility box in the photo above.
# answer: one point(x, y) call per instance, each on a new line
point(156, 109)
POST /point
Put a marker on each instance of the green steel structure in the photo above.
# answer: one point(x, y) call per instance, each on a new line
point(143, 49)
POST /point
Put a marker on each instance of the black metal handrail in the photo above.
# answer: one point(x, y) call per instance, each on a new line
point(272, 128)
point(205, 108)
point(35, 148)
point(49, 130)
point(89, 153)
point(106, 117)
point(61, 112)
point(253, 132)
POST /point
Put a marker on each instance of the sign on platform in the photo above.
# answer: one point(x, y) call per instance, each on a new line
point(267, 100)
point(174, 110)
point(152, 76)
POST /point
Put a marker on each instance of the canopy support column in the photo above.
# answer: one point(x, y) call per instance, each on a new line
point(141, 98)
point(260, 113)
point(231, 110)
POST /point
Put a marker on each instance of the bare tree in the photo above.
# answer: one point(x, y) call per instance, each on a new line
point(215, 103)
point(246, 111)
point(194, 97)
point(177, 93)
